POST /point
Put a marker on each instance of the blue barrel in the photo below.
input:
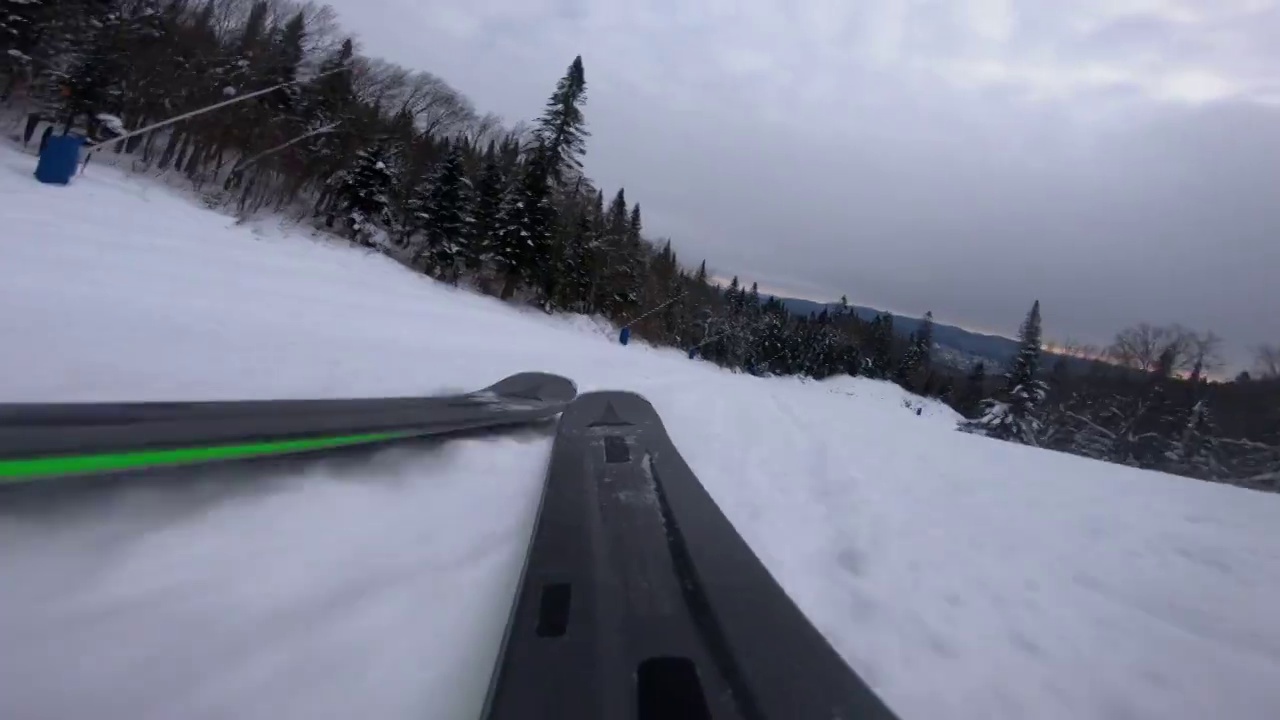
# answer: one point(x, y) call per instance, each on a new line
point(625, 336)
point(59, 159)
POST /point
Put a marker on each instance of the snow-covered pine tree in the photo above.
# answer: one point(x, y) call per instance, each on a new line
point(909, 364)
point(488, 213)
point(519, 231)
point(1013, 417)
point(1193, 451)
point(913, 367)
point(732, 293)
point(924, 341)
point(20, 29)
point(614, 281)
point(361, 194)
point(636, 266)
point(447, 223)
point(573, 276)
point(536, 216)
point(1190, 445)
point(92, 83)
point(1161, 415)
point(878, 353)
point(555, 156)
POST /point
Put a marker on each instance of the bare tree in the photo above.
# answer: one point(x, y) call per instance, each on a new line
point(1138, 347)
point(436, 107)
point(324, 35)
point(1074, 348)
point(484, 129)
point(1267, 358)
point(1141, 346)
point(378, 82)
point(1206, 351)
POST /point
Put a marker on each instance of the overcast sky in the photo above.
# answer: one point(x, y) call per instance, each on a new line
point(1117, 159)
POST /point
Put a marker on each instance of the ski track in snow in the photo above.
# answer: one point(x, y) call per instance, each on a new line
point(962, 577)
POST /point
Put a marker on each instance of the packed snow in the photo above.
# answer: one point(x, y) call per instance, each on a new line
point(961, 576)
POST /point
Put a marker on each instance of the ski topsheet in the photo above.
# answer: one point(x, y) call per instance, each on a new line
point(51, 440)
point(640, 601)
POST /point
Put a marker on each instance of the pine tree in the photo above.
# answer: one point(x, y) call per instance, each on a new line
point(913, 367)
point(878, 358)
point(529, 253)
point(447, 223)
point(1015, 416)
point(1193, 449)
point(535, 217)
point(616, 289)
point(488, 213)
point(616, 221)
point(361, 194)
point(20, 31)
point(634, 267)
point(924, 341)
point(573, 274)
point(92, 84)
point(1162, 417)
point(975, 389)
point(522, 245)
point(909, 364)
point(561, 132)
point(634, 226)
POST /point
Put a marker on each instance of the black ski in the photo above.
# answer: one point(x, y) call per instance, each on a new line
point(38, 432)
point(639, 600)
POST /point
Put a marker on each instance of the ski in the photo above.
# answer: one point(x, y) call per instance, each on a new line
point(640, 601)
point(41, 441)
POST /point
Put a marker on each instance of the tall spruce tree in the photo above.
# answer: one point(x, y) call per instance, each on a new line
point(555, 157)
point(1013, 416)
point(561, 134)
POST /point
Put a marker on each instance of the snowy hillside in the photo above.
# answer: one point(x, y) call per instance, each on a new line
point(962, 577)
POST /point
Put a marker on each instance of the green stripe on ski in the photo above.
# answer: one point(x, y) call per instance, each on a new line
point(29, 469)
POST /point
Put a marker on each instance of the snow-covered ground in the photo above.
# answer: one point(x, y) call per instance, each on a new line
point(962, 577)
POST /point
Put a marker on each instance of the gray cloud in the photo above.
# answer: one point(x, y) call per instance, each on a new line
point(1118, 159)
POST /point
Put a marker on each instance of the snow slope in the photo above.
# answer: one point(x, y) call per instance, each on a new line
point(963, 577)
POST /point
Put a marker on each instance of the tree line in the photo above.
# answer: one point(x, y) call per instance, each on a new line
point(1145, 401)
point(399, 161)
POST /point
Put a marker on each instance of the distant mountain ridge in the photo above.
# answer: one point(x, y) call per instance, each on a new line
point(964, 347)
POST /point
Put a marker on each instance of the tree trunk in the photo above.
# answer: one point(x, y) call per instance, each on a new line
point(193, 161)
point(509, 285)
point(33, 121)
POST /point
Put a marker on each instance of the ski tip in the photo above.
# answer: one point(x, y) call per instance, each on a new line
point(537, 386)
point(609, 409)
